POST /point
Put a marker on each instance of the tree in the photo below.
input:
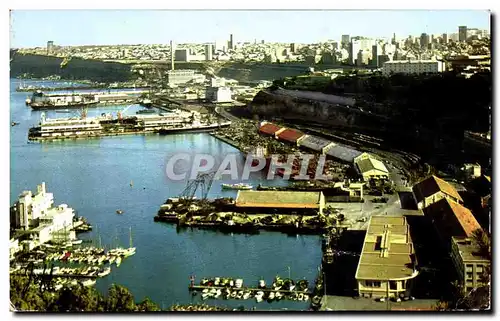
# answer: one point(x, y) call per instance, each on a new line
point(119, 299)
point(147, 306)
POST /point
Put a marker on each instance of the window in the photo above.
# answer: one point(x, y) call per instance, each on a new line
point(393, 285)
point(373, 284)
point(469, 275)
point(479, 269)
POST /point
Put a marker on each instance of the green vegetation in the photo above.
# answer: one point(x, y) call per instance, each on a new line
point(26, 296)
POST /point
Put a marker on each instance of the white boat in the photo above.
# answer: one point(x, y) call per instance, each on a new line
point(258, 296)
point(271, 296)
point(278, 295)
point(238, 283)
point(300, 297)
point(262, 284)
point(76, 242)
point(104, 272)
point(218, 293)
point(205, 290)
point(217, 281)
point(238, 186)
point(306, 297)
point(239, 296)
point(233, 294)
point(246, 295)
point(205, 296)
point(118, 261)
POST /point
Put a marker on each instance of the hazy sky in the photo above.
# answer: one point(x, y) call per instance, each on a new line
point(31, 28)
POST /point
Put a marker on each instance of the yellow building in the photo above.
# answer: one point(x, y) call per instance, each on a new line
point(370, 167)
point(387, 263)
point(469, 264)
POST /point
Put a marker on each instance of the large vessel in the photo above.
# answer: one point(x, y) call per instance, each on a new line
point(39, 100)
point(66, 127)
point(238, 186)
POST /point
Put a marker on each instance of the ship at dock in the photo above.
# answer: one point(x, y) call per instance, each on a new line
point(39, 100)
point(106, 125)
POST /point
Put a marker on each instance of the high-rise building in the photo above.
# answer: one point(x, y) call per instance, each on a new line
point(354, 48)
point(375, 54)
point(424, 41)
point(345, 41)
point(208, 52)
point(445, 38)
point(462, 33)
point(172, 55)
point(50, 47)
point(231, 42)
point(394, 39)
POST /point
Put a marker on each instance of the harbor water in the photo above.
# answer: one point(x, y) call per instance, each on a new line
point(96, 177)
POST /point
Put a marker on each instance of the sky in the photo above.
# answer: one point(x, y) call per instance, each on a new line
point(32, 28)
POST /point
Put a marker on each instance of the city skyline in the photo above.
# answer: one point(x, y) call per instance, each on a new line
point(114, 27)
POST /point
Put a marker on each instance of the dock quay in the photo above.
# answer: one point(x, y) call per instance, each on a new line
point(228, 288)
point(265, 290)
point(226, 140)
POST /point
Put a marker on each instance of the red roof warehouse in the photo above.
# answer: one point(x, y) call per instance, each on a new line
point(269, 129)
point(290, 135)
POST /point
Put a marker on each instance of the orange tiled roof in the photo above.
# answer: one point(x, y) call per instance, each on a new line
point(464, 217)
point(452, 218)
point(432, 185)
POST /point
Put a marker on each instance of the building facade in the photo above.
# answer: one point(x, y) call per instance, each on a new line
point(182, 55)
point(470, 266)
point(432, 190)
point(412, 67)
point(175, 77)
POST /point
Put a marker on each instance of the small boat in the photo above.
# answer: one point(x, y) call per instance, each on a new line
point(238, 283)
point(270, 297)
point(262, 284)
point(278, 296)
point(306, 297)
point(239, 186)
point(14, 124)
point(239, 296)
point(76, 242)
point(119, 212)
point(258, 296)
point(205, 290)
point(205, 296)
point(118, 261)
point(246, 295)
point(218, 293)
point(300, 297)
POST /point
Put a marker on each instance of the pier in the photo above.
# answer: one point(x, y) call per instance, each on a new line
point(265, 290)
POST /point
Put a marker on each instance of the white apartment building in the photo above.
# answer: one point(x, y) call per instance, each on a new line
point(219, 94)
point(37, 215)
point(412, 67)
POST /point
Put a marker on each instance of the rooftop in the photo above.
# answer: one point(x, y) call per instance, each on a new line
point(388, 251)
point(453, 218)
point(369, 163)
point(431, 186)
point(290, 135)
point(314, 142)
point(269, 128)
point(468, 250)
point(344, 153)
point(279, 199)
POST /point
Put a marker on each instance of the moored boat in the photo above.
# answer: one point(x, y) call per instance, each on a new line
point(238, 186)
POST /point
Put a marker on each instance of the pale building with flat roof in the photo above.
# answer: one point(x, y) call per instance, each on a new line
point(387, 264)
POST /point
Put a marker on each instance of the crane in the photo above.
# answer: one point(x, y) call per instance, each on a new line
point(203, 181)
